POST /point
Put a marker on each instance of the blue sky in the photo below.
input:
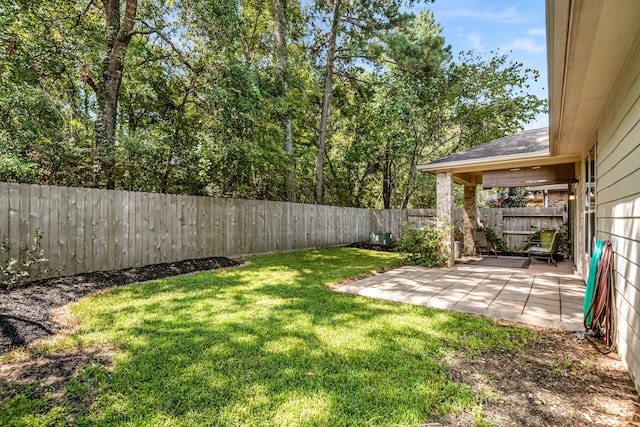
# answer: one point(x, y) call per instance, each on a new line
point(516, 28)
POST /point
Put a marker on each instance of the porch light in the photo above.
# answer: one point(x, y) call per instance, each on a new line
point(572, 196)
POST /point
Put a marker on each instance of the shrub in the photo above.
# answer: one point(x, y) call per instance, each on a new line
point(17, 271)
point(423, 247)
point(493, 238)
point(458, 235)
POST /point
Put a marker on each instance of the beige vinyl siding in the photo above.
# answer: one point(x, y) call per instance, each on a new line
point(580, 256)
point(618, 204)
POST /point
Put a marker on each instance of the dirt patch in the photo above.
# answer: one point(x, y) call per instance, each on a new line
point(27, 312)
point(559, 380)
point(51, 370)
point(47, 378)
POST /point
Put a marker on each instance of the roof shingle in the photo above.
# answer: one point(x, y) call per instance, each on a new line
point(534, 141)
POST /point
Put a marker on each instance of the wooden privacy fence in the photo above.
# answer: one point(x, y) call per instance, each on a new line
point(88, 230)
point(512, 225)
point(515, 225)
point(95, 230)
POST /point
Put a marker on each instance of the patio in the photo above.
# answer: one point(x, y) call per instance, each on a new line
point(542, 295)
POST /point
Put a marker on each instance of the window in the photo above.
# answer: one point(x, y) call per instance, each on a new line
point(590, 200)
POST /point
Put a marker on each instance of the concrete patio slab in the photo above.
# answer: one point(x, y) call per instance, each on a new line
point(543, 295)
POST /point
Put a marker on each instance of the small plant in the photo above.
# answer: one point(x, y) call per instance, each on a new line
point(17, 271)
point(493, 238)
point(423, 247)
point(458, 235)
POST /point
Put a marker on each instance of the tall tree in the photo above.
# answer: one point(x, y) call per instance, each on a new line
point(358, 30)
point(280, 36)
point(118, 31)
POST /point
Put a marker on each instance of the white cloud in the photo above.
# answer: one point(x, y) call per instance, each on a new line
point(509, 15)
point(524, 44)
point(537, 32)
point(476, 41)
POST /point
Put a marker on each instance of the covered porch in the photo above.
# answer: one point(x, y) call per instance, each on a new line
point(519, 160)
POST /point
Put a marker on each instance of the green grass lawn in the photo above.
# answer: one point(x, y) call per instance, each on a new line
point(265, 344)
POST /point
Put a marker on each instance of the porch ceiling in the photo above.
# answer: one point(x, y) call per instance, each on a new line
point(521, 154)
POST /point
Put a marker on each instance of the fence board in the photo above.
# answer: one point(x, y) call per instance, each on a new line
point(116, 231)
point(126, 230)
point(164, 211)
point(153, 228)
point(79, 214)
point(45, 215)
point(14, 221)
point(24, 216)
point(191, 226)
point(172, 226)
point(202, 228)
point(232, 247)
point(86, 230)
point(110, 227)
point(71, 227)
point(50, 209)
point(145, 230)
point(4, 223)
point(58, 248)
point(102, 239)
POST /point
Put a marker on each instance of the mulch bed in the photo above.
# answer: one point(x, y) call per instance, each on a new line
point(374, 247)
point(26, 311)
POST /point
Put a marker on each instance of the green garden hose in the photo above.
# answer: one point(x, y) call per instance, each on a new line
point(600, 316)
point(591, 281)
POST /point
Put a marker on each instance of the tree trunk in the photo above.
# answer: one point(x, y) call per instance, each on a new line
point(118, 36)
point(412, 169)
point(281, 49)
point(328, 84)
point(387, 186)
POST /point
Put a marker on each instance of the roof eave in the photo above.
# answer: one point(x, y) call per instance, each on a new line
point(557, 17)
point(498, 162)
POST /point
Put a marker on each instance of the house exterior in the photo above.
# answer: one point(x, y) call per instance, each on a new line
point(549, 196)
point(594, 134)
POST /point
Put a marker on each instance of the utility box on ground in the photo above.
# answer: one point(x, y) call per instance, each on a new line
point(383, 239)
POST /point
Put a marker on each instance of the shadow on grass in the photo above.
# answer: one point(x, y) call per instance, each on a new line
point(270, 344)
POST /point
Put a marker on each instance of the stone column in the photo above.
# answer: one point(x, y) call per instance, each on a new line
point(470, 217)
point(444, 209)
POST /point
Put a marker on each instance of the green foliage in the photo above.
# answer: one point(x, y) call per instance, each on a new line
point(516, 197)
point(201, 103)
point(458, 235)
point(563, 244)
point(18, 270)
point(493, 238)
point(264, 344)
point(423, 246)
point(490, 97)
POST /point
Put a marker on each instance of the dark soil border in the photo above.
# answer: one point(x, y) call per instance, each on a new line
point(26, 311)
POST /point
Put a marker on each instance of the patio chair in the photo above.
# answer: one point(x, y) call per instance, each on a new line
point(547, 248)
point(482, 245)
